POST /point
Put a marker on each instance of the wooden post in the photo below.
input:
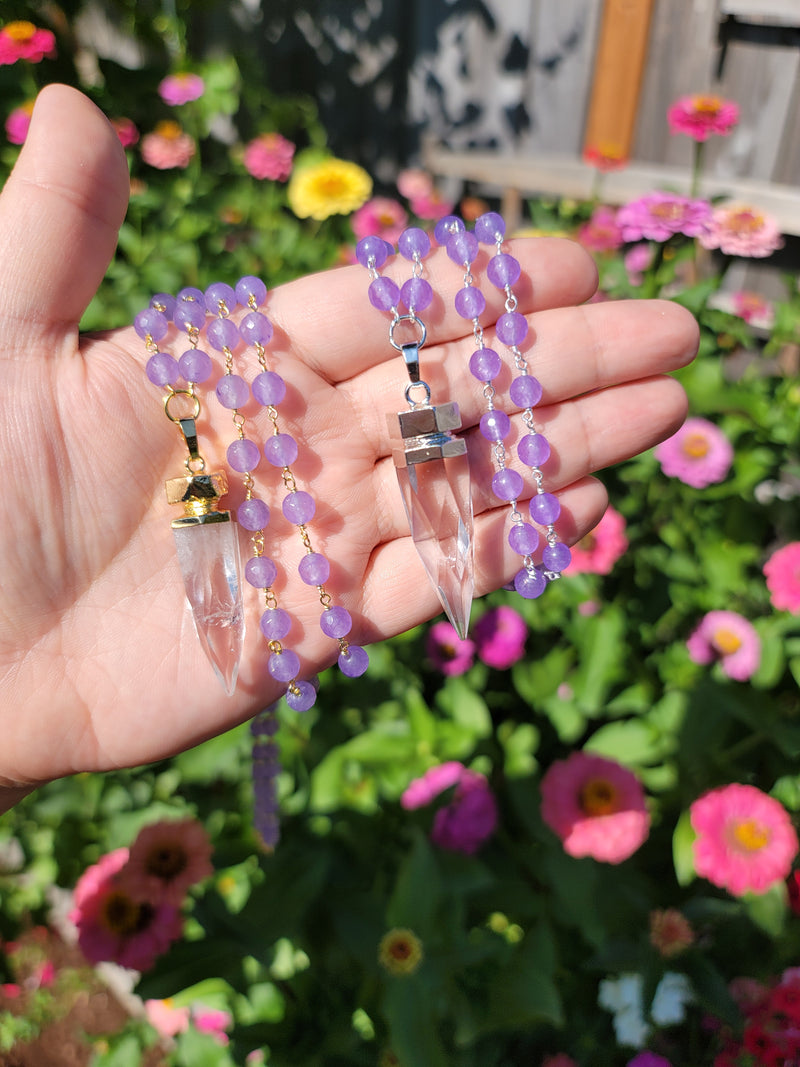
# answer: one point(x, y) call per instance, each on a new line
point(617, 82)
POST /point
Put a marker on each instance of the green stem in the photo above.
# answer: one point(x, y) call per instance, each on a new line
point(697, 168)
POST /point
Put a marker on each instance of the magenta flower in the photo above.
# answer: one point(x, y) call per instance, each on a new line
point(167, 1019)
point(18, 123)
point(742, 230)
point(447, 651)
point(213, 1021)
point(699, 454)
point(637, 260)
point(602, 232)
point(729, 638)
point(753, 308)
point(702, 116)
point(648, 1059)
point(470, 818)
point(167, 858)
point(596, 806)
point(499, 637)
point(782, 571)
point(22, 40)
point(182, 88)
point(381, 216)
point(168, 147)
point(413, 183)
point(745, 839)
point(269, 156)
point(126, 131)
point(599, 550)
point(659, 216)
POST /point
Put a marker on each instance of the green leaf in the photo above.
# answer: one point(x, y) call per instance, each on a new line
point(413, 1031)
point(466, 707)
point(768, 910)
point(415, 900)
point(630, 741)
point(682, 851)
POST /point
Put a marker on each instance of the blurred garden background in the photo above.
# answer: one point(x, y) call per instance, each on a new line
point(569, 840)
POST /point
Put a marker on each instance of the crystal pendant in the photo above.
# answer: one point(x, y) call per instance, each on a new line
point(433, 472)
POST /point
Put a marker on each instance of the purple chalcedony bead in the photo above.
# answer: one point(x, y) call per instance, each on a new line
point(523, 538)
point(336, 622)
point(485, 364)
point(384, 294)
point(299, 507)
point(250, 291)
point(255, 329)
point(530, 583)
point(503, 270)
point(507, 484)
point(354, 662)
point(232, 391)
point(489, 227)
point(314, 569)
point(220, 297)
point(281, 449)
point(533, 449)
point(195, 365)
point(545, 508)
point(243, 455)
point(372, 248)
point(260, 571)
point(556, 557)
point(416, 293)
point(512, 328)
point(275, 623)
point(283, 665)
point(190, 295)
point(162, 369)
point(301, 696)
point(495, 425)
point(462, 247)
point(413, 241)
point(253, 514)
point(269, 388)
point(222, 333)
point(189, 316)
point(525, 391)
point(446, 227)
point(470, 302)
point(164, 302)
point(151, 323)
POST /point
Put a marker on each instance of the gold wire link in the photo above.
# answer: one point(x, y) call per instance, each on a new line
point(222, 309)
point(261, 353)
point(194, 336)
point(239, 421)
point(325, 597)
point(258, 542)
point(270, 599)
point(275, 646)
point(288, 480)
point(248, 484)
point(150, 345)
point(228, 360)
point(305, 538)
point(196, 407)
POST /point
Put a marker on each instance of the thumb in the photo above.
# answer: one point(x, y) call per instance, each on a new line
point(60, 211)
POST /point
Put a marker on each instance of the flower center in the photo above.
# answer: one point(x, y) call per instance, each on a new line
point(331, 186)
point(20, 31)
point(166, 862)
point(745, 221)
point(169, 130)
point(726, 642)
point(750, 835)
point(122, 915)
point(599, 797)
point(400, 949)
point(695, 445)
point(671, 211)
point(707, 106)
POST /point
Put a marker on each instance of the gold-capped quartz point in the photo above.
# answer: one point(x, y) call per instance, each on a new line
point(200, 495)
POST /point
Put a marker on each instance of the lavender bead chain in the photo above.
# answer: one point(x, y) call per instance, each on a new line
point(266, 768)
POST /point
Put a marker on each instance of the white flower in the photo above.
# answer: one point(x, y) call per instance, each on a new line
point(623, 997)
point(672, 995)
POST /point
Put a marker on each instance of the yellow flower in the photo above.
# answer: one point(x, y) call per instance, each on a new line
point(400, 951)
point(330, 187)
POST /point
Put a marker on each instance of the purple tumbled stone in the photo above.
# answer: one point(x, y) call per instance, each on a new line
point(195, 365)
point(151, 323)
point(489, 227)
point(507, 484)
point(523, 538)
point(495, 425)
point(354, 662)
point(485, 364)
point(416, 294)
point(220, 297)
point(462, 247)
point(372, 248)
point(335, 621)
point(222, 333)
point(556, 557)
point(470, 302)
point(255, 328)
point(414, 241)
point(533, 449)
point(232, 391)
point(275, 623)
point(545, 508)
point(243, 455)
point(162, 369)
point(269, 388)
point(384, 294)
point(503, 270)
point(314, 569)
point(530, 583)
point(260, 571)
point(189, 316)
point(281, 449)
point(301, 696)
point(164, 302)
point(253, 514)
point(299, 507)
point(250, 290)
point(446, 227)
point(283, 665)
point(525, 391)
point(512, 328)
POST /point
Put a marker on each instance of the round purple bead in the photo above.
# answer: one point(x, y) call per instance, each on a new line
point(446, 227)
point(354, 662)
point(283, 665)
point(530, 583)
point(533, 449)
point(485, 364)
point(416, 293)
point(275, 623)
point(462, 247)
point(195, 365)
point(281, 449)
point(299, 507)
point(219, 296)
point(260, 572)
point(414, 240)
point(556, 557)
point(384, 294)
point(523, 538)
point(151, 323)
point(269, 388)
point(314, 569)
point(525, 391)
point(190, 295)
point(243, 455)
point(372, 248)
point(255, 328)
point(162, 369)
point(335, 621)
point(253, 514)
point(545, 508)
point(165, 301)
point(189, 316)
point(232, 391)
point(489, 227)
point(250, 287)
point(222, 333)
point(495, 425)
point(470, 302)
point(301, 696)
point(503, 270)
point(507, 484)
point(512, 328)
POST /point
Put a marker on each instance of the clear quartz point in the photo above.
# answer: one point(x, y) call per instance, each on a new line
point(209, 558)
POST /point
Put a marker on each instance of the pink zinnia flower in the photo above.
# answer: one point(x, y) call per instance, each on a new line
point(168, 147)
point(447, 651)
point(470, 818)
point(601, 233)
point(22, 40)
point(753, 308)
point(701, 116)
point(414, 183)
point(126, 131)
point(782, 571)
point(745, 840)
point(431, 207)
point(212, 1021)
point(599, 550)
point(113, 925)
point(380, 216)
point(269, 156)
point(182, 88)
point(166, 858)
point(742, 230)
point(605, 157)
point(165, 1018)
point(659, 216)
point(499, 637)
point(18, 123)
point(637, 260)
point(699, 454)
point(596, 806)
point(729, 638)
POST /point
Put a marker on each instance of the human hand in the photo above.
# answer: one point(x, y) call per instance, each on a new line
point(99, 667)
